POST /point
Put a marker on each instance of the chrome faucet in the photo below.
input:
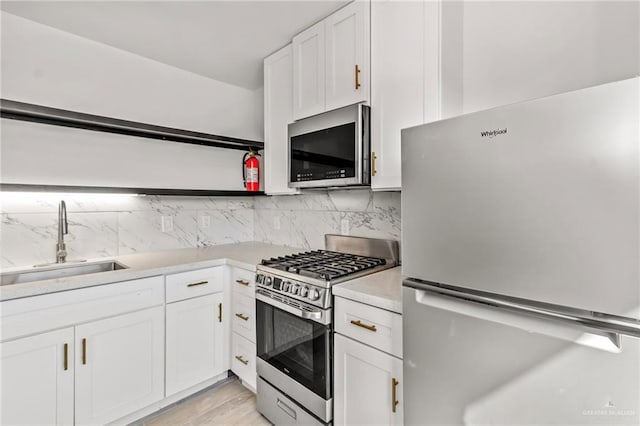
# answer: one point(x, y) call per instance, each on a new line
point(63, 229)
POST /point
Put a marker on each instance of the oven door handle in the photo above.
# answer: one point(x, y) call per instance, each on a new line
point(317, 316)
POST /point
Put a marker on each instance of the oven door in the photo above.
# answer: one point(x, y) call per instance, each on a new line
point(299, 348)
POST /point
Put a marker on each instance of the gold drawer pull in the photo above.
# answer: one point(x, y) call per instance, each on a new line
point(242, 360)
point(360, 324)
point(198, 283)
point(373, 163)
point(243, 282)
point(219, 312)
point(242, 317)
point(66, 357)
point(84, 351)
point(394, 400)
point(357, 74)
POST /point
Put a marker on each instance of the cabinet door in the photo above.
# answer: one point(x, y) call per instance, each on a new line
point(347, 55)
point(397, 88)
point(308, 72)
point(364, 383)
point(36, 383)
point(278, 113)
point(195, 341)
point(119, 365)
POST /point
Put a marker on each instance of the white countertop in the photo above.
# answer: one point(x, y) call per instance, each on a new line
point(382, 290)
point(244, 255)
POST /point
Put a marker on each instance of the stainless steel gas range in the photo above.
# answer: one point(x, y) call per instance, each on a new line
point(294, 324)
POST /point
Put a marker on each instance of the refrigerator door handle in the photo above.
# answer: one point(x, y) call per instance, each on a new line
point(595, 333)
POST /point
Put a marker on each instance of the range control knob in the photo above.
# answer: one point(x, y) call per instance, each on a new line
point(286, 286)
point(267, 281)
point(315, 294)
point(295, 289)
point(304, 291)
point(259, 278)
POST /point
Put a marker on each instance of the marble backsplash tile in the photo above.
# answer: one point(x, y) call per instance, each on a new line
point(109, 225)
point(224, 226)
point(302, 220)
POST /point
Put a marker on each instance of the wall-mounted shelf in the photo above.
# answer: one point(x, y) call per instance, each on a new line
point(15, 187)
point(59, 117)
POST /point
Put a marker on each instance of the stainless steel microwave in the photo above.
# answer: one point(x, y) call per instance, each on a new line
point(331, 149)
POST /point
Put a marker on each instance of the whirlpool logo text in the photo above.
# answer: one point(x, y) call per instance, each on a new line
point(493, 133)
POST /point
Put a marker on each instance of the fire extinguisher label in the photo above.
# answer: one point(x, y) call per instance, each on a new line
point(252, 175)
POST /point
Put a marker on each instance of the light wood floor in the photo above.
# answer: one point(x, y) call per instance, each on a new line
point(227, 404)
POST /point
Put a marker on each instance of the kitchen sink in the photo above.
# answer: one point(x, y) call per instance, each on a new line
point(58, 271)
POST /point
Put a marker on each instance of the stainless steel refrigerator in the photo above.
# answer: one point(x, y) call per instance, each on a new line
point(520, 233)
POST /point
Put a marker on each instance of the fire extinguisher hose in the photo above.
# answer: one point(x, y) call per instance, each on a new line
point(244, 170)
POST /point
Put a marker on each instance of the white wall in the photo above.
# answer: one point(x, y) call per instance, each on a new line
point(46, 66)
point(500, 52)
point(41, 154)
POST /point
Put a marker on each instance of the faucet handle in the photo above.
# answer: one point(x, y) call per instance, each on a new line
point(63, 217)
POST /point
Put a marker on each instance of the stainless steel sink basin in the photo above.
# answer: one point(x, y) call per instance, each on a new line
point(58, 271)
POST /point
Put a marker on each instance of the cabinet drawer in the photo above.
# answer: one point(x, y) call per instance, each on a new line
point(243, 281)
point(243, 359)
point(280, 410)
point(373, 326)
point(30, 315)
point(194, 283)
point(243, 316)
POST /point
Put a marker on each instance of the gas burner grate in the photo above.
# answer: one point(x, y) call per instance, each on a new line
point(323, 264)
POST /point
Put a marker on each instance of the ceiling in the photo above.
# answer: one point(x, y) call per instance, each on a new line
point(223, 40)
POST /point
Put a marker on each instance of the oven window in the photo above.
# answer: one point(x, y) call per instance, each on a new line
point(300, 348)
point(325, 154)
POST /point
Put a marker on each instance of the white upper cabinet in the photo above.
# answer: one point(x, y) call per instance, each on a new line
point(331, 62)
point(278, 113)
point(309, 72)
point(347, 56)
point(397, 87)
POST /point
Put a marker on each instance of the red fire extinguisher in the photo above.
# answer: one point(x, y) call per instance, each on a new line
point(250, 171)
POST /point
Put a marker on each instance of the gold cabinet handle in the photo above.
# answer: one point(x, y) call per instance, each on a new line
point(219, 312)
point(198, 283)
point(242, 317)
point(242, 360)
point(373, 163)
point(243, 282)
point(360, 324)
point(394, 400)
point(84, 351)
point(357, 75)
point(66, 357)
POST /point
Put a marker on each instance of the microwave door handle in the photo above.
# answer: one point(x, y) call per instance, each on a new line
point(310, 315)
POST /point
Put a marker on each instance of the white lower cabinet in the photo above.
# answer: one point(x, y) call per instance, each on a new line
point(195, 341)
point(243, 326)
point(97, 355)
point(243, 316)
point(243, 359)
point(367, 386)
point(119, 365)
point(36, 379)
